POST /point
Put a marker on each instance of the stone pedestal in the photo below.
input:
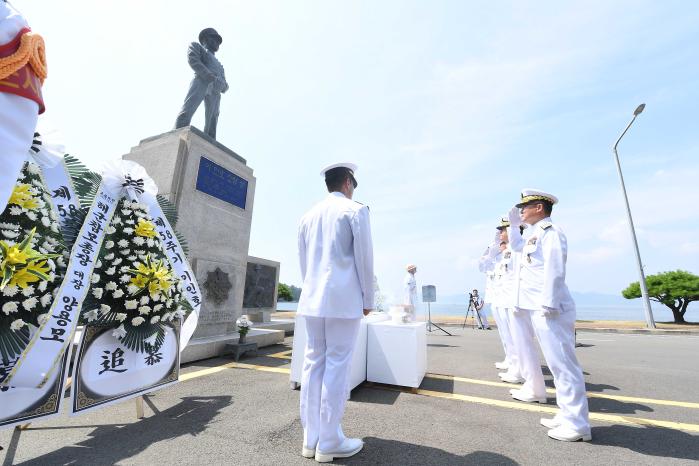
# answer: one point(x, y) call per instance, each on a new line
point(213, 190)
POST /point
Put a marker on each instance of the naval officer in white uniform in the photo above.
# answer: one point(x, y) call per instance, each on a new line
point(543, 294)
point(337, 269)
point(410, 289)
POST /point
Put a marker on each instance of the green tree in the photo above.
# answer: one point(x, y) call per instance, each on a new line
point(284, 293)
point(674, 289)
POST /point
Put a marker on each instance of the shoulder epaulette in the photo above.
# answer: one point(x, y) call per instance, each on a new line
point(546, 225)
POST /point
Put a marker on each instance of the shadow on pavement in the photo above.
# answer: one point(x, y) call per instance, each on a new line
point(364, 394)
point(111, 444)
point(438, 385)
point(651, 441)
point(599, 387)
point(382, 451)
point(603, 405)
point(440, 345)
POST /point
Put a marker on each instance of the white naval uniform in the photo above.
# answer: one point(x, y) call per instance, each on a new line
point(544, 296)
point(507, 270)
point(337, 268)
point(410, 293)
point(18, 115)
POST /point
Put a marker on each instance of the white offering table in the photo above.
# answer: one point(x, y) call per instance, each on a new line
point(359, 358)
point(397, 353)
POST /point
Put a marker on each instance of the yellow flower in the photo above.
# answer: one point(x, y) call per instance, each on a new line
point(23, 197)
point(145, 228)
point(22, 278)
point(154, 276)
point(16, 256)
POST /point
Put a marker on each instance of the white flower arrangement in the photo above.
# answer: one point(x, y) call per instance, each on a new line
point(243, 325)
point(137, 292)
point(31, 265)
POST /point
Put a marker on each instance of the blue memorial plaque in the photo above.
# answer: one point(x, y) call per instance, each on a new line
point(216, 181)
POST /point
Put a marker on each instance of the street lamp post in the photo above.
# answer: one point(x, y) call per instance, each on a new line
point(642, 277)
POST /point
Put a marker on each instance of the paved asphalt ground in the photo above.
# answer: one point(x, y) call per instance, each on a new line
point(645, 397)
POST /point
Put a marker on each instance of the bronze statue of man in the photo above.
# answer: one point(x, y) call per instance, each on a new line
point(208, 84)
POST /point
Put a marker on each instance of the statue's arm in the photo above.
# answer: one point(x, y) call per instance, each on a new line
point(194, 55)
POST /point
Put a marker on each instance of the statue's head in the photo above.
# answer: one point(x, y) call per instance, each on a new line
point(210, 39)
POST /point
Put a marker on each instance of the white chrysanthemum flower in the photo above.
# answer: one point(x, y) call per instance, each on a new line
point(28, 291)
point(150, 242)
point(131, 304)
point(10, 290)
point(124, 268)
point(117, 261)
point(42, 286)
point(9, 307)
point(116, 220)
point(32, 216)
point(95, 278)
point(138, 241)
point(17, 324)
point(139, 251)
point(98, 264)
point(155, 319)
point(129, 222)
point(125, 252)
point(91, 315)
point(156, 297)
point(54, 227)
point(33, 169)
point(109, 244)
point(126, 278)
point(132, 289)
point(144, 310)
point(110, 286)
point(15, 210)
point(97, 293)
point(118, 294)
point(42, 318)
point(44, 220)
point(128, 230)
point(157, 307)
point(109, 256)
point(110, 230)
point(30, 303)
point(168, 303)
point(105, 308)
point(10, 234)
point(110, 271)
point(145, 299)
point(121, 316)
point(136, 321)
point(44, 212)
point(46, 300)
point(122, 243)
point(52, 215)
point(131, 258)
point(180, 312)
point(165, 317)
point(125, 212)
point(9, 226)
point(119, 332)
point(61, 261)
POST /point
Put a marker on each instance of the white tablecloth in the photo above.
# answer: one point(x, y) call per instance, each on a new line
point(397, 353)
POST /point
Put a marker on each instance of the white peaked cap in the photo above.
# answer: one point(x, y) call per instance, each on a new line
point(529, 195)
point(351, 166)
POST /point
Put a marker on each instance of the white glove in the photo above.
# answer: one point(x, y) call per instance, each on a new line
point(550, 311)
point(515, 219)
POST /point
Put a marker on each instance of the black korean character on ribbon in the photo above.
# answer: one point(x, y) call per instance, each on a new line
point(62, 191)
point(103, 207)
point(130, 183)
point(5, 369)
point(111, 360)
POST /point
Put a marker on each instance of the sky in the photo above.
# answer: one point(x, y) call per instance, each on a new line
point(449, 108)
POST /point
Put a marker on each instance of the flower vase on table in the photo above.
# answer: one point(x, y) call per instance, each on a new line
point(243, 328)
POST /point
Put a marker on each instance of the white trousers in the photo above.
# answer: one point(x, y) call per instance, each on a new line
point(523, 336)
point(556, 336)
point(506, 335)
point(500, 315)
point(325, 379)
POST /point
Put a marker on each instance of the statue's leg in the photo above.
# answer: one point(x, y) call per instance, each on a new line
point(195, 94)
point(212, 102)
